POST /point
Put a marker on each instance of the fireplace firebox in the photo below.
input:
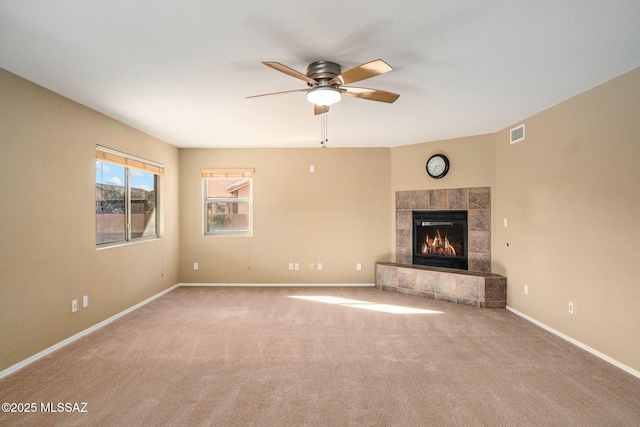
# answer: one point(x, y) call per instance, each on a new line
point(440, 239)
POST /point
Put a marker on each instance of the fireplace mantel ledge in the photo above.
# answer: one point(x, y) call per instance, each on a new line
point(473, 288)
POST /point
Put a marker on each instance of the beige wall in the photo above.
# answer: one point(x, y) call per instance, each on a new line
point(472, 164)
point(337, 216)
point(570, 193)
point(47, 221)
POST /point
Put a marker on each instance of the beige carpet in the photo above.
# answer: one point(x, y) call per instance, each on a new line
point(337, 357)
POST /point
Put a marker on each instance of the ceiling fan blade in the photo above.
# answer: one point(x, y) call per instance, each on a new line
point(290, 72)
point(277, 93)
point(320, 109)
point(362, 71)
point(371, 94)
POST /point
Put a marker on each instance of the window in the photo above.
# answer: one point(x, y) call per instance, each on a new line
point(126, 197)
point(228, 201)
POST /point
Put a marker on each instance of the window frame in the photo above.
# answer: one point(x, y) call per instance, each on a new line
point(129, 162)
point(241, 174)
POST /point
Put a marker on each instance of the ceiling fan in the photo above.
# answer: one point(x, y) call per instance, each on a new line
point(326, 79)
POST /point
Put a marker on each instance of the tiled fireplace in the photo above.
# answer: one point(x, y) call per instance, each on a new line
point(475, 285)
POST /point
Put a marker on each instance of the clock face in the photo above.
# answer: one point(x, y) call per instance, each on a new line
point(437, 166)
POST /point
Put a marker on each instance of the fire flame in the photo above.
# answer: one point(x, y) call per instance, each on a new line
point(438, 246)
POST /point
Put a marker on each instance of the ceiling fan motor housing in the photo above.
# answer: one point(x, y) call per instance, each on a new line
point(323, 71)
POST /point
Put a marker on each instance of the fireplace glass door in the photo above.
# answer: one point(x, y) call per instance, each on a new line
point(440, 239)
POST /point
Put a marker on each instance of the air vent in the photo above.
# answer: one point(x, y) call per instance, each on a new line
point(517, 134)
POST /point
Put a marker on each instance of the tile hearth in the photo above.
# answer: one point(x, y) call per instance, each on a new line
point(476, 289)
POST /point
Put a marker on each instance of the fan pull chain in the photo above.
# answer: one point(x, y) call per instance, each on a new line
point(323, 130)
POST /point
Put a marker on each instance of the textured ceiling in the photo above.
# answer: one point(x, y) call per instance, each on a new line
point(180, 70)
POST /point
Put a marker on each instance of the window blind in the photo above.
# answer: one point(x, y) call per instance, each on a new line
point(227, 173)
point(129, 161)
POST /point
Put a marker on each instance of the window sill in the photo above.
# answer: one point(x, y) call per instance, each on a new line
point(230, 234)
point(129, 243)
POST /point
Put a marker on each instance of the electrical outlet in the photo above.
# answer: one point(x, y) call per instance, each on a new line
point(526, 289)
point(296, 266)
point(85, 301)
point(572, 307)
point(74, 305)
point(195, 265)
point(291, 266)
point(319, 266)
point(358, 266)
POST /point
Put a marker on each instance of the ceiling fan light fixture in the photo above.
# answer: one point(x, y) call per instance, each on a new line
point(324, 96)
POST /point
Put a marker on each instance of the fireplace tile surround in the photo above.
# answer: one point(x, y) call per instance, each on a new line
point(476, 200)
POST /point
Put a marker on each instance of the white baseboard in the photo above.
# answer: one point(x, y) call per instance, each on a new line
point(577, 343)
point(297, 285)
point(79, 335)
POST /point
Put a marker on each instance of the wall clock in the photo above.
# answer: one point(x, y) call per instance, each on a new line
point(437, 166)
